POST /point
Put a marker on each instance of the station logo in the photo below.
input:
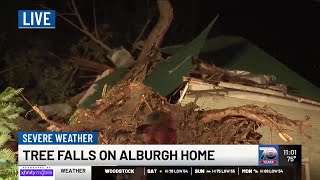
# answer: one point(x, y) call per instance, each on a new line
point(268, 155)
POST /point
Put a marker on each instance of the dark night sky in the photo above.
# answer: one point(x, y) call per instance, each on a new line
point(289, 30)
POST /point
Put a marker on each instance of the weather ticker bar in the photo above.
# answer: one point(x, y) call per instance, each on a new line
point(195, 172)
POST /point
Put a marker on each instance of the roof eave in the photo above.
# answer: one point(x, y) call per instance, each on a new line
point(240, 87)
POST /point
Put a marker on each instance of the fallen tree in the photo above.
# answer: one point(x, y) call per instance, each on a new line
point(123, 107)
point(126, 106)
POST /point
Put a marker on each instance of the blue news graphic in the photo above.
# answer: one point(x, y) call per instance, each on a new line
point(268, 155)
point(36, 172)
point(57, 138)
point(41, 19)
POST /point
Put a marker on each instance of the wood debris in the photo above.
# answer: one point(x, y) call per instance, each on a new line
point(127, 105)
point(255, 117)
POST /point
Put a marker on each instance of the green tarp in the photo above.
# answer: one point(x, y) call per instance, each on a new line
point(111, 80)
point(167, 76)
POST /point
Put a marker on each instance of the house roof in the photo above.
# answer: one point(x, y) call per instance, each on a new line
point(199, 86)
point(234, 52)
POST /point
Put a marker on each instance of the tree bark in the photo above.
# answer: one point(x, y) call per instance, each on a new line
point(154, 40)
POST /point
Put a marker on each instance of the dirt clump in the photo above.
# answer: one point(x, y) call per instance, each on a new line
point(123, 110)
point(126, 106)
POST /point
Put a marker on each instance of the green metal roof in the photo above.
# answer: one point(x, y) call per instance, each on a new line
point(234, 52)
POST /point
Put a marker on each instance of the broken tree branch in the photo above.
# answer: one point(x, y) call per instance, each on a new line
point(232, 132)
point(95, 19)
point(84, 31)
point(89, 65)
point(153, 42)
point(257, 114)
point(134, 44)
point(75, 9)
point(43, 116)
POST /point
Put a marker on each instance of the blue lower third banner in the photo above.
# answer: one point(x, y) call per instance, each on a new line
point(77, 155)
point(51, 138)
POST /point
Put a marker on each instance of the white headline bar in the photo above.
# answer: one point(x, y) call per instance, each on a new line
point(139, 155)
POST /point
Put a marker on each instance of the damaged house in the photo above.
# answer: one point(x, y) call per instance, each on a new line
point(242, 83)
point(270, 102)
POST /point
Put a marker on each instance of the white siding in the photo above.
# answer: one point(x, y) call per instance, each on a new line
point(310, 148)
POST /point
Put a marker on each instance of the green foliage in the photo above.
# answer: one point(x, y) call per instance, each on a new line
point(16, 71)
point(7, 157)
point(91, 50)
point(9, 172)
point(54, 82)
point(8, 112)
point(9, 93)
point(74, 116)
point(36, 69)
